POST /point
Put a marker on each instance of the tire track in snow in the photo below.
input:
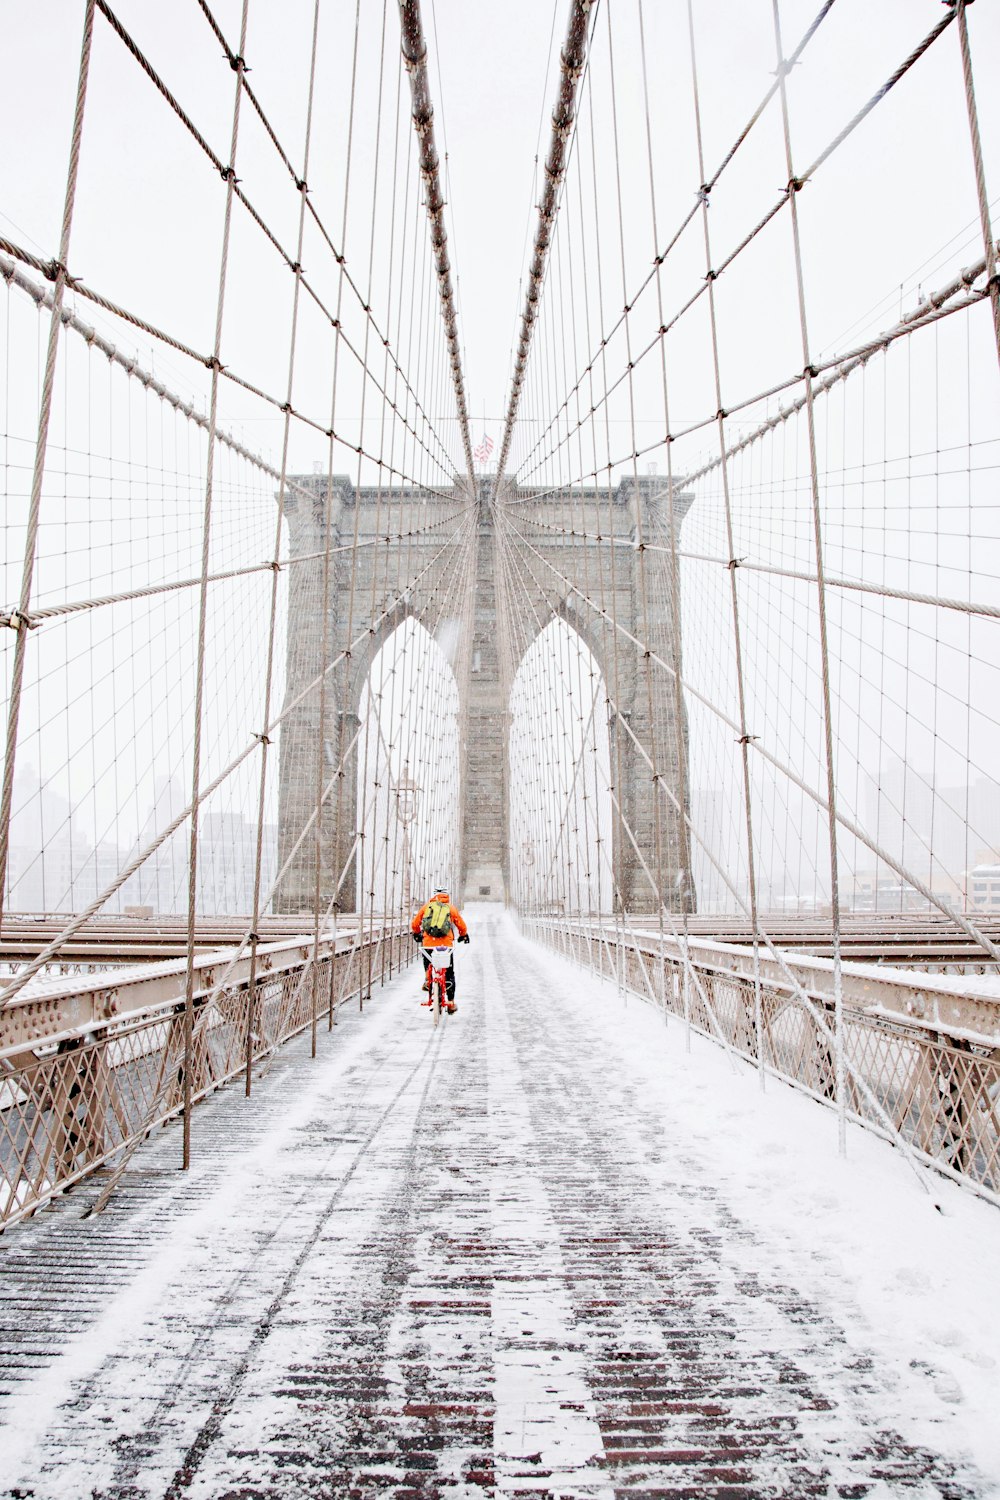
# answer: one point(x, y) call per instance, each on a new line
point(709, 1376)
point(139, 1331)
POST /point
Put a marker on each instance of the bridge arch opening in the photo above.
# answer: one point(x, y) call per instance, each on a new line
point(409, 771)
point(560, 824)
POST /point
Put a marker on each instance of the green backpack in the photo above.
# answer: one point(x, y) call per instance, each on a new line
point(437, 919)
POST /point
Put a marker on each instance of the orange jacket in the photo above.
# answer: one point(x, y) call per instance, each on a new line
point(449, 937)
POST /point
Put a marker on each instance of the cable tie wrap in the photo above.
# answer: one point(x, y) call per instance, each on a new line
point(55, 269)
point(18, 620)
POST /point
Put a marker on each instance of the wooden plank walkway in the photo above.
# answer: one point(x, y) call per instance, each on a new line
point(491, 1260)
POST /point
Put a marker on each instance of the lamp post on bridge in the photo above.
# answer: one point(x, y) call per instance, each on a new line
point(407, 794)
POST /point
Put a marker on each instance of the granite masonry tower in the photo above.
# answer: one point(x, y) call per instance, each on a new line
point(647, 710)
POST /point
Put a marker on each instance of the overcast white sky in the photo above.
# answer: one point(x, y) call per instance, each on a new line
point(892, 211)
point(150, 208)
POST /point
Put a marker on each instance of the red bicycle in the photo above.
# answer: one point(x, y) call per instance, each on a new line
point(437, 981)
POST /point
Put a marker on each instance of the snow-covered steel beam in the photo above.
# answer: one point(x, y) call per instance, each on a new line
point(965, 1007)
point(59, 1010)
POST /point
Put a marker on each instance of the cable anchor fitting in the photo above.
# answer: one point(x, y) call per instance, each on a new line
point(747, 739)
point(18, 620)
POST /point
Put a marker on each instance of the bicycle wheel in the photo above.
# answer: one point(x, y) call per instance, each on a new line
point(436, 1001)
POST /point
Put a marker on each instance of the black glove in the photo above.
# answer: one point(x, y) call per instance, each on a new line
point(464, 938)
point(417, 937)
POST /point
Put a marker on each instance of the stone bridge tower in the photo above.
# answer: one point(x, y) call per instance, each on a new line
point(360, 586)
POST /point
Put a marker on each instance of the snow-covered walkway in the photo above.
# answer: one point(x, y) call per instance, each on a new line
point(544, 1251)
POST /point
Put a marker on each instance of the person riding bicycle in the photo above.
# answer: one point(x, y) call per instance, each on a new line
point(434, 926)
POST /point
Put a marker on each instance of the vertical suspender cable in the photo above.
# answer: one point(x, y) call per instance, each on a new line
point(686, 889)
point(656, 749)
point(831, 781)
point(206, 536)
point(744, 736)
point(303, 190)
point(977, 161)
point(368, 842)
point(41, 446)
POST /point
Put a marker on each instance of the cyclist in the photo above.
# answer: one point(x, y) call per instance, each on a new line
point(434, 926)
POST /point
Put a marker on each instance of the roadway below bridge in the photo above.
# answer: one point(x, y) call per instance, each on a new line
point(545, 1250)
point(922, 939)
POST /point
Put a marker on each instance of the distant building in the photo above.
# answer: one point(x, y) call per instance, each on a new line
point(866, 891)
point(982, 887)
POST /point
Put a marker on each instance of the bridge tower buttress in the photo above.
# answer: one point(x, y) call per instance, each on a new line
point(641, 713)
point(311, 511)
point(487, 727)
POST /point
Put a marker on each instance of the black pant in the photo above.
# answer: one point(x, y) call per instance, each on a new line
point(449, 984)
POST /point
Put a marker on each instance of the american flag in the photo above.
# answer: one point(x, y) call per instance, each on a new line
point(484, 449)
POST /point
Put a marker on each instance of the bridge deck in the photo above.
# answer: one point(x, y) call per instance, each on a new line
point(530, 1254)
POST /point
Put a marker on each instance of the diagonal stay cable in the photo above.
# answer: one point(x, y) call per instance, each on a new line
point(969, 928)
point(793, 187)
point(835, 369)
point(688, 218)
point(77, 921)
point(302, 187)
point(51, 269)
point(292, 262)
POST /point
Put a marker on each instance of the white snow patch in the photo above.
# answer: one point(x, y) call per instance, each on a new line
point(148, 1298)
point(918, 1288)
point(545, 1431)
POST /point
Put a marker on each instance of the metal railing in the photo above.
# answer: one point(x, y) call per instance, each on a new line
point(922, 1052)
point(88, 1068)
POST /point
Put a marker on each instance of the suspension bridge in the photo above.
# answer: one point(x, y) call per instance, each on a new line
point(678, 667)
